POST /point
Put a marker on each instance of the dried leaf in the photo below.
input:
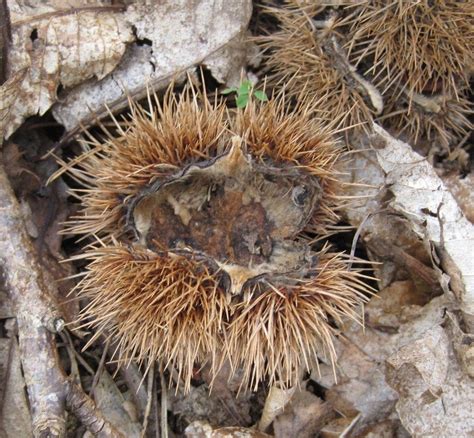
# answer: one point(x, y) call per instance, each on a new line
point(217, 407)
point(227, 64)
point(436, 398)
point(60, 47)
point(202, 429)
point(111, 402)
point(421, 197)
point(463, 191)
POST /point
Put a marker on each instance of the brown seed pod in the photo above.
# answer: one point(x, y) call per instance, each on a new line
point(204, 225)
point(407, 64)
point(420, 56)
point(423, 47)
point(307, 56)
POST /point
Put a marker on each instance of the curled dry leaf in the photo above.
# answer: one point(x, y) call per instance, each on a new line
point(421, 197)
point(303, 417)
point(275, 403)
point(60, 47)
point(56, 47)
point(408, 198)
point(226, 64)
point(420, 208)
point(111, 402)
point(188, 34)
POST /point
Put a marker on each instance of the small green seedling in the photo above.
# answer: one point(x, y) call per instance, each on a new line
point(243, 93)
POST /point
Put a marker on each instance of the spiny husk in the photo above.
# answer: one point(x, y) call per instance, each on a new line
point(148, 145)
point(281, 333)
point(171, 309)
point(403, 52)
point(298, 60)
point(155, 307)
point(183, 129)
point(418, 51)
point(422, 47)
point(162, 306)
point(294, 136)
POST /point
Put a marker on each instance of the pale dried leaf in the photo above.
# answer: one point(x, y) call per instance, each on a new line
point(422, 198)
point(60, 46)
point(220, 406)
point(462, 189)
point(361, 387)
point(463, 344)
point(409, 199)
point(226, 65)
point(202, 429)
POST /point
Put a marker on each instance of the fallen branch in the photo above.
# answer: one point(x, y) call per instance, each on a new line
point(32, 292)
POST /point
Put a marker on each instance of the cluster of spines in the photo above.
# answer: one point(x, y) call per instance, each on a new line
point(171, 308)
point(417, 55)
point(297, 60)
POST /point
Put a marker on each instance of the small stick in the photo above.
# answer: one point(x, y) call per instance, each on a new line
point(32, 292)
point(85, 410)
point(100, 367)
point(164, 405)
point(150, 386)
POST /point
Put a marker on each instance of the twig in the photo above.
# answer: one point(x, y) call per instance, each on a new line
point(85, 410)
point(74, 371)
point(69, 11)
point(67, 340)
point(32, 292)
point(150, 386)
point(156, 415)
point(5, 38)
point(98, 373)
point(164, 405)
point(357, 235)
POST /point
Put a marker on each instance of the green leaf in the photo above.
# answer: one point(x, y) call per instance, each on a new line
point(260, 95)
point(242, 100)
point(245, 88)
point(229, 90)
